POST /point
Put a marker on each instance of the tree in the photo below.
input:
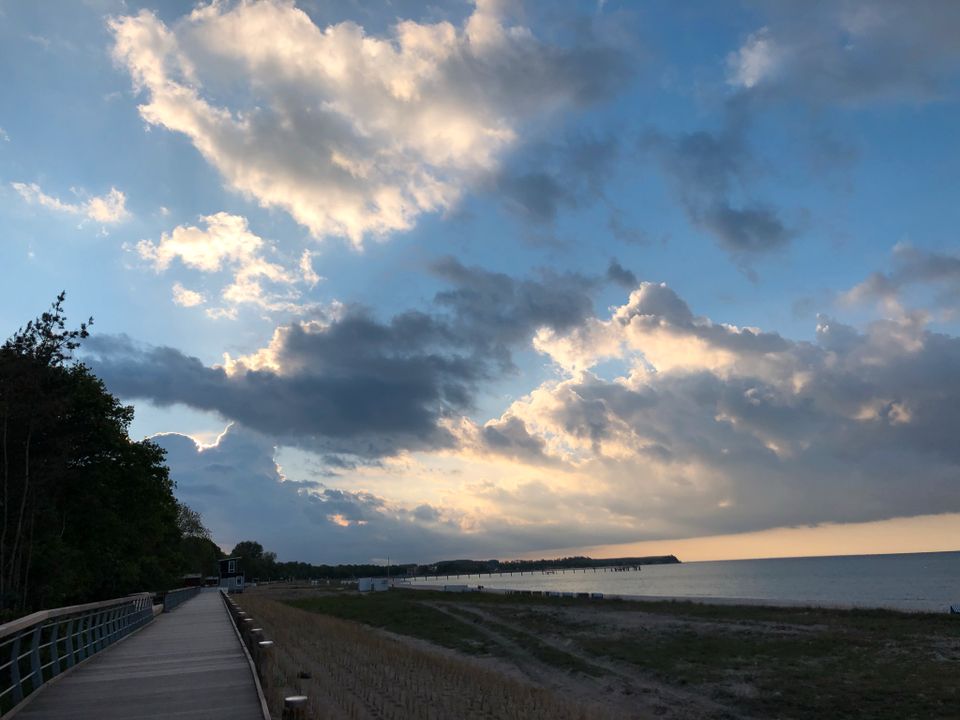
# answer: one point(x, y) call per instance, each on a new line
point(87, 513)
point(200, 553)
point(190, 522)
point(256, 563)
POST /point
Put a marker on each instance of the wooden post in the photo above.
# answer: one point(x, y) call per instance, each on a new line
point(263, 658)
point(245, 627)
point(295, 707)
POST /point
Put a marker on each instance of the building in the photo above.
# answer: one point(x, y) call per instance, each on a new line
point(191, 580)
point(231, 575)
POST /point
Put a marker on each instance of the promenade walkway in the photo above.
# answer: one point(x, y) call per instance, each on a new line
point(187, 664)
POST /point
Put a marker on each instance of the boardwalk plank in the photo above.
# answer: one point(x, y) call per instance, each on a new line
point(186, 665)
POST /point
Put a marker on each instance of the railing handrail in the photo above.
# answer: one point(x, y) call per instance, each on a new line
point(172, 598)
point(43, 615)
point(36, 648)
point(185, 587)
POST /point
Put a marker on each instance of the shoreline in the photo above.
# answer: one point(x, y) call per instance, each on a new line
point(699, 599)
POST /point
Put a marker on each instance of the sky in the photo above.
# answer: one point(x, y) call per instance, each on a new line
point(498, 279)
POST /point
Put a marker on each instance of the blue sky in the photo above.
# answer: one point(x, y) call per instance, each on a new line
point(502, 279)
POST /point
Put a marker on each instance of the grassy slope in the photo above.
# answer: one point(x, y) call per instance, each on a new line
point(768, 662)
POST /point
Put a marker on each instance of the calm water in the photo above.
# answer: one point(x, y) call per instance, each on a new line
point(920, 581)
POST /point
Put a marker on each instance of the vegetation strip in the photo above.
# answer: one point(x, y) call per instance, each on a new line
point(706, 661)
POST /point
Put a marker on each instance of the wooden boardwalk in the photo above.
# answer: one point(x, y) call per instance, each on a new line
point(187, 664)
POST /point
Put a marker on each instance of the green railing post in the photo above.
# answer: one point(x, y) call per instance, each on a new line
point(36, 675)
point(69, 646)
point(55, 649)
point(15, 669)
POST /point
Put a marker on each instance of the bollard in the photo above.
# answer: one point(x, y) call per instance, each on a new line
point(263, 659)
point(295, 707)
point(264, 653)
point(244, 629)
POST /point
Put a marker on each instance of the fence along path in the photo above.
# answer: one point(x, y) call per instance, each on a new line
point(186, 664)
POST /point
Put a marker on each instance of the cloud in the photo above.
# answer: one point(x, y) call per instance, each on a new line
point(353, 134)
point(705, 428)
point(107, 209)
point(756, 59)
point(708, 171)
point(347, 383)
point(226, 243)
point(494, 311)
point(851, 52)
point(552, 176)
point(912, 267)
point(186, 298)
point(242, 494)
point(715, 429)
point(620, 275)
point(658, 331)
point(4, 135)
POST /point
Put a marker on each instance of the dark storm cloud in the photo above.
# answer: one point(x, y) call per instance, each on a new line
point(618, 274)
point(349, 393)
point(358, 386)
point(708, 170)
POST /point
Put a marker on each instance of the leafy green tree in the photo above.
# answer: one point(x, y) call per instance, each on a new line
point(87, 513)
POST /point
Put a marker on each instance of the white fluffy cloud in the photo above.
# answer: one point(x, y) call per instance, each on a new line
point(225, 243)
point(108, 209)
point(754, 61)
point(716, 428)
point(186, 298)
point(354, 135)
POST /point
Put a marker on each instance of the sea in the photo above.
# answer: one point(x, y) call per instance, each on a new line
point(927, 582)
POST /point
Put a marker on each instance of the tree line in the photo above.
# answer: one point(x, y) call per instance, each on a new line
point(87, 513)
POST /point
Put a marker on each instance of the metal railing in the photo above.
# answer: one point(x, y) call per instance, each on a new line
point(174, 597)
point(38, 647)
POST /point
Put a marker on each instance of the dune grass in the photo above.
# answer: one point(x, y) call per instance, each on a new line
point(755, 661)
point(350, 671)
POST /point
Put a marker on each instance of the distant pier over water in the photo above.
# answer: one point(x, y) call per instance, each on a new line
point(456, 569)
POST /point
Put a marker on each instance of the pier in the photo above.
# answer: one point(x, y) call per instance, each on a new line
point(521, 573)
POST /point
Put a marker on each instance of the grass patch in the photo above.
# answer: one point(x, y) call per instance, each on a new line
point(347, 670)
point(400, 613)
point(800, 663)
point(810, 675)
point(542, 651)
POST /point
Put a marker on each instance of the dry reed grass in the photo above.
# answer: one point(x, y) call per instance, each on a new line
point(357, 673)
